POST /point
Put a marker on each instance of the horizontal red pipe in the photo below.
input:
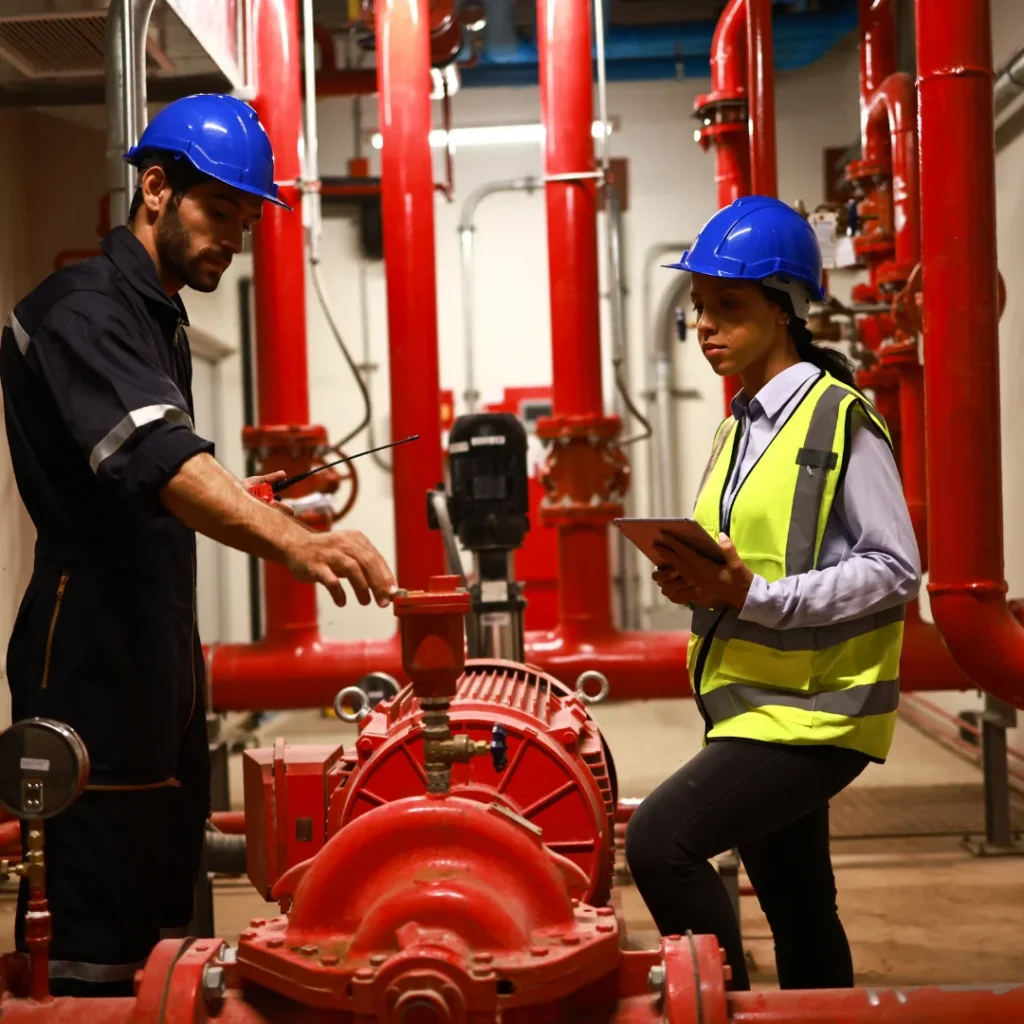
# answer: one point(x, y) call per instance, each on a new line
point(1003, 1004)
point(891, 132)
point(10, 837)
point(639, 665)
point(958, 235)
point(231, 823)
point(69, 1010)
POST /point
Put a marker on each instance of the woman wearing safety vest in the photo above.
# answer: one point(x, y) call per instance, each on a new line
point(795, 646)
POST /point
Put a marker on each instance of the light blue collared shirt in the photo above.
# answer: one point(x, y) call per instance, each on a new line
point(869, 559)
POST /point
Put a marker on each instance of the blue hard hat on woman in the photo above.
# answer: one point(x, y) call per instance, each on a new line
point(758, 238)
point(220, 136)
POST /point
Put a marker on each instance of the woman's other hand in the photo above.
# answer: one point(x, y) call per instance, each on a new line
point(715, 585)
point(675, 588)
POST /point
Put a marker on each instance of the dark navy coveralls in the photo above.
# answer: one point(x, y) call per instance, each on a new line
point(97, 386)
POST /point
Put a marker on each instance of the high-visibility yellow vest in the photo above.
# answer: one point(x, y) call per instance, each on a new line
point(836, 684)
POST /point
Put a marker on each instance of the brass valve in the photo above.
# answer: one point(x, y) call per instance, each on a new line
point(33, 866)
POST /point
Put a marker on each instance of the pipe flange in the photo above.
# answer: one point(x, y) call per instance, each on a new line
point(584, 679)
point(346, 698)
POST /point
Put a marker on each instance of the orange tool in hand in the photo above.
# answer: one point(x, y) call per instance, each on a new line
point(269, 492)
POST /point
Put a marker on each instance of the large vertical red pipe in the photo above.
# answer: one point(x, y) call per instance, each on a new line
point(732, 144)
point(958, 224)
point(729, 79)
point(279, 281)
point(764, 175)
point(407, 196)
point(567, 110)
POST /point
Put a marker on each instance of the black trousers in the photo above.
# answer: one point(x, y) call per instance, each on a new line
point(771, 802)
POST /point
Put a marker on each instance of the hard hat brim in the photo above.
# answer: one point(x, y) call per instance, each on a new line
point(134, 155)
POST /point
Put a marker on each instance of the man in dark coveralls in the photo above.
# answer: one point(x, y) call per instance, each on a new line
point(96, 377)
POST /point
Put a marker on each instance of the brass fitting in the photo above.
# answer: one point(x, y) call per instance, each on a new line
point(440, 749)
point(33, 867)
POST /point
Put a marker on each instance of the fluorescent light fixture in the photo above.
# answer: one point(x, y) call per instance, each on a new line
point(493, 135)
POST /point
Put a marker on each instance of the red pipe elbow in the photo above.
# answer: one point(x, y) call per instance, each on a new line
point(890, 134)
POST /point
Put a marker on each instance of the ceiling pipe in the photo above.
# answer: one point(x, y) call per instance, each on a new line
point(967, 587)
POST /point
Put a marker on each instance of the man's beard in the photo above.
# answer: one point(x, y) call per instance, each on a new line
point(174, 246)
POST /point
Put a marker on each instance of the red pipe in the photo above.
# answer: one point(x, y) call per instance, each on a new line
point(10, 837)
point(764, 177)
point(877, 23)
point(563, 39)
point(890, 133)
point(913, 447)
point(279, 261)
point(407, 198)
point(729, 81)
point(1003, 1004)
point(958, 222)
point(731, 138)
point(231, 823)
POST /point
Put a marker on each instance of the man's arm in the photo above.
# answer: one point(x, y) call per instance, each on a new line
point(207, 498)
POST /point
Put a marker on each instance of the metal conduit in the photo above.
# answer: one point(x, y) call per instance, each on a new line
point(466, 227)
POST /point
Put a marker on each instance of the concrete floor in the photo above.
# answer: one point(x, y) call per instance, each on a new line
point(917, 910)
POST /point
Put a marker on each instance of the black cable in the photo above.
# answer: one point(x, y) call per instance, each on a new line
point(364, 390)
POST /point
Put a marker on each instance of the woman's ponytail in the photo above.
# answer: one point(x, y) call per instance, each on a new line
point(827, 359)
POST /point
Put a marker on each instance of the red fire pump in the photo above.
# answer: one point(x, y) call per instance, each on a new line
point(435, 908)
point(559, 774)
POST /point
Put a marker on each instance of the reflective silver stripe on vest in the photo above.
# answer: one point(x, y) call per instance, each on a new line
point(810, 484)
point(136, 419)
point(80, 971)
point(807, 638)
point(723, 435)
point(879, 698)
point(20, 334)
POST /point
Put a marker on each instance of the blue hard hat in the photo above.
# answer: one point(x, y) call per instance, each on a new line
point(220, 136)
point(755, 238)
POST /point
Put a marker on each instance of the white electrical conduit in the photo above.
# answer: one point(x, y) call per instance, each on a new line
point(466, 228)
point(311, 213)
point(127, 31)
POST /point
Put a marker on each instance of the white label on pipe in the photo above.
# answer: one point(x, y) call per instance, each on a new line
point(35, 764)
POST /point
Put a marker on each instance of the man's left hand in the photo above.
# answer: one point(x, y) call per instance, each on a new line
point(270, 478)
point(717, 585)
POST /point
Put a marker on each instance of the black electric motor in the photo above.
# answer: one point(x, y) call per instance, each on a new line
point(487, 510)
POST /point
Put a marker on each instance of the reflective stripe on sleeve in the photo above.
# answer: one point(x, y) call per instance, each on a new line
point(20, 334)
point(135, 420)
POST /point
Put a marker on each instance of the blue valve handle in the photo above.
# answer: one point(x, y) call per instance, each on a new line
point(499, 749)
